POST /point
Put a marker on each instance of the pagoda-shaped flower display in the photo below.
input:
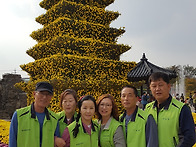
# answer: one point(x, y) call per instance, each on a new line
point(77, 48)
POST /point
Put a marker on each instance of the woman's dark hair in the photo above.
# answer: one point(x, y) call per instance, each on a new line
point(66, 92)
point(81, 100)
point(132, 87)
point(157, 76)
point(114, 112)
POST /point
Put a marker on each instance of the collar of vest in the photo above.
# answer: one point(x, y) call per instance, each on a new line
point(133, 115)
point(92, 126)
point(72, 119)
point(165, 104)
point(107, 124)
point(33, 115)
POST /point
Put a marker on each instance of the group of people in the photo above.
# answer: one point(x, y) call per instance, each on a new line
point(164, 122)
point(191, 101)
point(180, 98)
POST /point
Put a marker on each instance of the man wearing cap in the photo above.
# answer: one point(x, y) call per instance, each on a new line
point(35, 125)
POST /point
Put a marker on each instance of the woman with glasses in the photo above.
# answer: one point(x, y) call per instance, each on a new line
point(111, 132)
point(68, 102)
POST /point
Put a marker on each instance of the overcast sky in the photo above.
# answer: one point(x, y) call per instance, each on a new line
point(164, 30)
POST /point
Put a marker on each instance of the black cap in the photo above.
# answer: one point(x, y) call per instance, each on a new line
point(44, 86)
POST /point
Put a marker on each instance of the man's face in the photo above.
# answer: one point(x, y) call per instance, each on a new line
point(42, 98)
point(160, 90)
point(128, 98)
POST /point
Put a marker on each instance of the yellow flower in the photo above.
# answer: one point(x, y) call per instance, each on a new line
point(4, 131)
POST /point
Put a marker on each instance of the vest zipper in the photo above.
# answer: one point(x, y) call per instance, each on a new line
point(175, 142)
point(90, 141)
point(157, 116)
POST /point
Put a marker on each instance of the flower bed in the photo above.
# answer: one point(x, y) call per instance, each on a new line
point(4, 131)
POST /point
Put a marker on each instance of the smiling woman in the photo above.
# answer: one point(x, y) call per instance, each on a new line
point(68, 103)
point(111, 131)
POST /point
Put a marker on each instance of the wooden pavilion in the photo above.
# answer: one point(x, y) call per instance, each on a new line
point(144, 69)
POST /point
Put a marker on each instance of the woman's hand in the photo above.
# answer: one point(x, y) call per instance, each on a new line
point(59, 142)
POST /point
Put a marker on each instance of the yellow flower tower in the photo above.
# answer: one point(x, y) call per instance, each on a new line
point(76, 48)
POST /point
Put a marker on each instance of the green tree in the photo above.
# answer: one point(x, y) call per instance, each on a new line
point(189, 71)
point(175, 68)
point(190, 84)
point(77, 49)
point(190, 79)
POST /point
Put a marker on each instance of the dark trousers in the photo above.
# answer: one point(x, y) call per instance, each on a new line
point(144, 105)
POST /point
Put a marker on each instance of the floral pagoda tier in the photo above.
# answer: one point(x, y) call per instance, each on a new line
point(77, 48)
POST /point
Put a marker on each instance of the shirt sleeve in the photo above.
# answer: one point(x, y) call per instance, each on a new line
point(151, 132)
point(66, 137)
point(187, 128)
point(119, 139)
point(13, 131)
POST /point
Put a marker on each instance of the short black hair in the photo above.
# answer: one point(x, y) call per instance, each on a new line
point(132, 87)
point(157, 76)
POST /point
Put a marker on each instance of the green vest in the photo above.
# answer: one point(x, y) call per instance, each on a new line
point(62, 121)
point(136, 129)
point(107, 134)
point(29, 129)
point(83, 139)
point(167, 122)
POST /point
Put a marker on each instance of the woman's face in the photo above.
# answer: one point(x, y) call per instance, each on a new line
point(87, 111)
point(105, 107)
point(69, 104)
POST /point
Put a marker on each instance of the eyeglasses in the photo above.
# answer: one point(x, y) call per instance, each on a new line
point(106, 105)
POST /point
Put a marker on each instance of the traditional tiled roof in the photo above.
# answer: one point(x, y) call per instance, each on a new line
point(144, 69)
